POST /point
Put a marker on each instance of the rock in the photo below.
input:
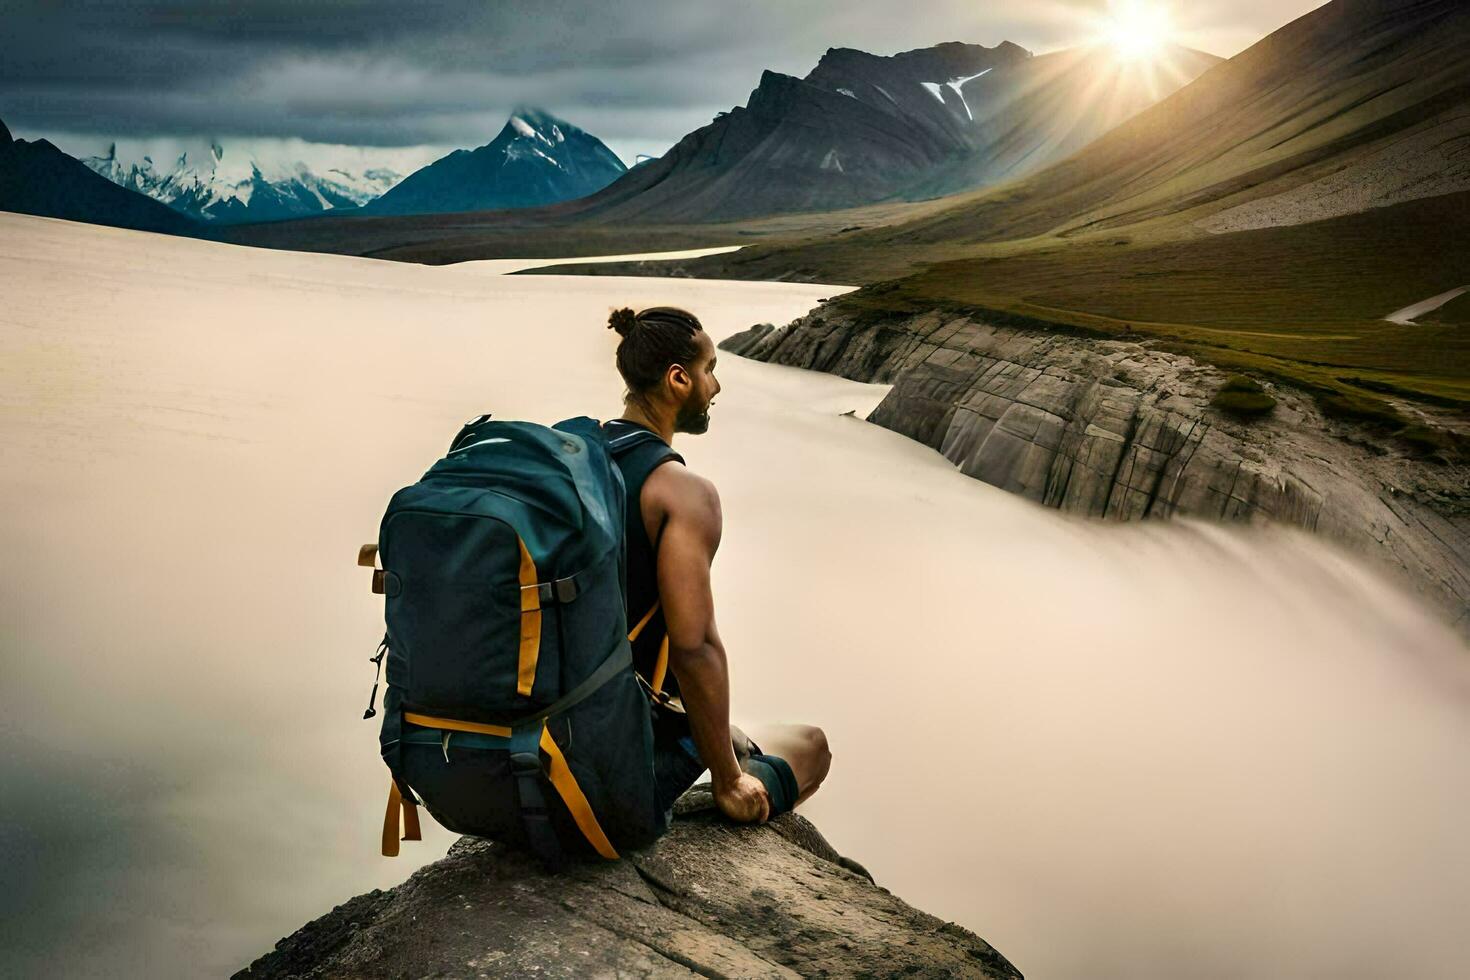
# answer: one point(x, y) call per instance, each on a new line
point(1116, 429)
point(710, 898)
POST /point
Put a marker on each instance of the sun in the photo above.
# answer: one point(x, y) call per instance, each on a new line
point(1136, 29)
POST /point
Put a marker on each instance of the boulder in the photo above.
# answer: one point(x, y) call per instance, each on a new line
point(710, 898)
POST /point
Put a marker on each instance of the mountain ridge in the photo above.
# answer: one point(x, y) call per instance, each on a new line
point(858, 128)
point(217, 192)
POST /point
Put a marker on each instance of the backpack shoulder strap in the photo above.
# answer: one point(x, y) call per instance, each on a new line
point(628, 438)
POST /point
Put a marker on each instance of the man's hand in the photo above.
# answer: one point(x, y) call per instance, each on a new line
point(745, 800)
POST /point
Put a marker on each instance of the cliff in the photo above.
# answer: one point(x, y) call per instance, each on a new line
point(1119, 429)
point(710, 898)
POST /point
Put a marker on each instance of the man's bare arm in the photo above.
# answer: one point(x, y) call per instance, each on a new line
point(696, 655)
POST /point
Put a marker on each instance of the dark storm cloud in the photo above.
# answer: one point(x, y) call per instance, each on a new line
point(433, 71)
point(368, 71)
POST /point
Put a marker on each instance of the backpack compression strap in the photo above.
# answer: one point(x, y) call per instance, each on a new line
point(396, 801)
point(525, 745)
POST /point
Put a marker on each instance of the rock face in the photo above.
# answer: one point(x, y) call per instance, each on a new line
point(1116, 429)
point(709, 899)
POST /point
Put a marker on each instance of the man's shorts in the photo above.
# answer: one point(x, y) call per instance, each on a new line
point(677, 765)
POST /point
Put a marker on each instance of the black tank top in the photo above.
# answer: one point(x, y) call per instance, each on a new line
point(642, 568)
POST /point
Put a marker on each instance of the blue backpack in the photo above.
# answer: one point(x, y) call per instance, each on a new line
point(512, 709)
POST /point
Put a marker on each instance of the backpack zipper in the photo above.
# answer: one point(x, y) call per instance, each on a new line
point(377, 674)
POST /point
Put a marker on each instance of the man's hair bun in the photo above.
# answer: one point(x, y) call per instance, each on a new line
point(622, 321)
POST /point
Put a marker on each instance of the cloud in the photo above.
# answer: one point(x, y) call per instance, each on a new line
point(637, 73)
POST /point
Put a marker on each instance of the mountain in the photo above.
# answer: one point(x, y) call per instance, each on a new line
point(860, 131)
point(1358, 104)
point(861, 128)
point(233, 188)
point(1355, 115)
point(37, 178)
point(535, 159)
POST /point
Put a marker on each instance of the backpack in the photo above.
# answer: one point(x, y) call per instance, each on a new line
point(512, 710)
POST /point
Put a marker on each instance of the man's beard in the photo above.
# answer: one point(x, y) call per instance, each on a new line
point(686, 419)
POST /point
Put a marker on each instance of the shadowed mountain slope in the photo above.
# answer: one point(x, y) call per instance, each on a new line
point(37, 178)
point(861, 128)
point(535, 159)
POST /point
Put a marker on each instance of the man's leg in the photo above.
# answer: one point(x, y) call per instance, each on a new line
point(804, 747)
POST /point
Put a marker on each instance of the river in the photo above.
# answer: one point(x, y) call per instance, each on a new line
point(1149, 751)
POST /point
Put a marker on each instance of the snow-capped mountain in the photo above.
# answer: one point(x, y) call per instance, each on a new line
point(536, 159)
point(234, 186)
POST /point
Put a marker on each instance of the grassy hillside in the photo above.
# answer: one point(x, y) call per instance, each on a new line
point(1305, 302)
point(1455, 313)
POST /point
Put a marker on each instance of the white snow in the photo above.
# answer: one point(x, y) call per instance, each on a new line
point(955, 84)
point(885, 92)
point(232, 172)
point(528, 131)
point(937, 90)
point(317, 193)
point(1406, 316)
point(832, 162)
point(523, 151)
point(847, 92)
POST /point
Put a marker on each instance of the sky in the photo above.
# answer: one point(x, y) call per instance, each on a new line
point(414, 80)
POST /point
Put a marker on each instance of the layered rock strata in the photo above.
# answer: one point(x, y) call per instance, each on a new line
point(1119, 429)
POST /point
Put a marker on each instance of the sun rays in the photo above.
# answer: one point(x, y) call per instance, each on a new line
point(1137, 30)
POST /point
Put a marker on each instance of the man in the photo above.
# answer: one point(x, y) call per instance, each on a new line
point(673, 529)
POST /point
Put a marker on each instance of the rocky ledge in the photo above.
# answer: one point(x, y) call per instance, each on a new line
point(1118, 429)
point(710, 899)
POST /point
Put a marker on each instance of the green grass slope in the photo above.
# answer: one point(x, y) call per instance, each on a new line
point(1304, 303)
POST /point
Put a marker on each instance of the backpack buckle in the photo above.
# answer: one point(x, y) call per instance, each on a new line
point(557, 590)
point(525, 763)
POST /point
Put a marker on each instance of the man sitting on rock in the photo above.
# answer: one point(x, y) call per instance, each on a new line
point(673, 528)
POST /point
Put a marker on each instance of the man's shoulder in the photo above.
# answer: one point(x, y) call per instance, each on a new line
point(681, 490)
